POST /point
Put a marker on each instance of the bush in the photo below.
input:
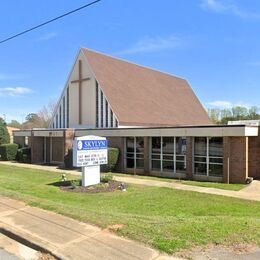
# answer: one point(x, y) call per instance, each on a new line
point(68, 159)
point(113, 154)
point(24, 155)
point(8, 152)
point(106, 178)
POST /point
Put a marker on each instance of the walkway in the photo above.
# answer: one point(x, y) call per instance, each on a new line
point(67, 238)
point(252, 192)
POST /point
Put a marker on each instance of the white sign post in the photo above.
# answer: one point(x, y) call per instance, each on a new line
point(89, 152)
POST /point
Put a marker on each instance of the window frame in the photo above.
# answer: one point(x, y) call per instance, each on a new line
point(162, 155)
point(207, 157)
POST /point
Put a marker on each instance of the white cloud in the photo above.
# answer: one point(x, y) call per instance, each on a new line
point(14, 91)
point(47, 36)
point(221, 104)
point(227, 7)
point(155, 44)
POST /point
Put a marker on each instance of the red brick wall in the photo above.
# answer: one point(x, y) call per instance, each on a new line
point(37, 149)
point(236, 149)
point(254, 157)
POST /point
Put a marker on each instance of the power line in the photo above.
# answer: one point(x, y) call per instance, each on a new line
point(49, 21)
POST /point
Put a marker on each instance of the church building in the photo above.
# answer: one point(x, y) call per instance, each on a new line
point(154, 118)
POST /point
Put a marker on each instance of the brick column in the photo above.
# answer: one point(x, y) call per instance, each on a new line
point(236, 149)
point(189, 159)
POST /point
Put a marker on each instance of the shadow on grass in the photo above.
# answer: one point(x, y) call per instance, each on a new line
point(64, 183)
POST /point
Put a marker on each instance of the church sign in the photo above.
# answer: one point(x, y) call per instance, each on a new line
point(89, 152)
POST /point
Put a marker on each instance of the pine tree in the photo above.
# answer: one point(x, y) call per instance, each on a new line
point(4, 135)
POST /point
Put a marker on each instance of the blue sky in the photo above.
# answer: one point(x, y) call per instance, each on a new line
point(214, 44)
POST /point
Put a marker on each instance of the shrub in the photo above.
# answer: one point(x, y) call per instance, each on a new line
point(68, 159)
point(8, 152)
point(106, 177)
point(113, 154)
point(24, 155)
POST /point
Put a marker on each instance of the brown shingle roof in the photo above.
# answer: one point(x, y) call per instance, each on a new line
point(143, 96)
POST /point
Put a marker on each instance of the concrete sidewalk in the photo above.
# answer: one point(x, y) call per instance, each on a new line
point(251, 192)
point(66, 238)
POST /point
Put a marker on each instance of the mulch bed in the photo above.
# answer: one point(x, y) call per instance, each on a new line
point(102, 187)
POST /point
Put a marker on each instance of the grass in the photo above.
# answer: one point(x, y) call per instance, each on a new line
point(166, 219)
point(218, 185)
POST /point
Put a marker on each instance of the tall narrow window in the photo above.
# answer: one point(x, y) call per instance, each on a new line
point(60, 117)
point(215, 167)
point(156, 153)
point(111, 118)
point(97, 105)
point(68, 102)
point(116, 123)
point(56, 121)
point(106, 114)
point(180, 154)
point(134, 152)
point(200, 155)
point(168, 153)
point(63, 108)
point(101, 107)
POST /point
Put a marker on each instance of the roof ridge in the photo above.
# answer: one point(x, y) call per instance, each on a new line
point(133, 63)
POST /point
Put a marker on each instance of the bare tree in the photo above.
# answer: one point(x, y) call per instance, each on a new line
point(41, 119)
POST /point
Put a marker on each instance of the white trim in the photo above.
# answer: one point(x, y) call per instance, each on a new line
point(212, 131)
point(64, 89)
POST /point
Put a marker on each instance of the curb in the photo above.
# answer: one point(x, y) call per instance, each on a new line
point(27, 239)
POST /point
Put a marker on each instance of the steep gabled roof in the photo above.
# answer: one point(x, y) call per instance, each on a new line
point(143, 96)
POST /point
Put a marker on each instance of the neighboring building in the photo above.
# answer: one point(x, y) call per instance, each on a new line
point(10, 132)
point(154, 118)
point(245, 122)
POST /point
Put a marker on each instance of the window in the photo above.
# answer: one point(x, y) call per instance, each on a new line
point(97, 105)
point(111, 118)
point(56, 121)
point(180, 154)
point(168, 154)
point(208, 156)
point(200, 155)
point(63, 108)
point(106, 113)
point(102, 112)
point(68, 102)
point(134, 152)
point(60, 117)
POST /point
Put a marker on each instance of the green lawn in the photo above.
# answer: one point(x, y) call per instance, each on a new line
point(166, 219)
point(218, 185)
